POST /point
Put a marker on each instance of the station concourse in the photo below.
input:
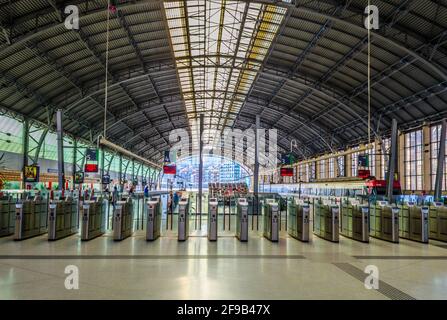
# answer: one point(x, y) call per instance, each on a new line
point(223, 150)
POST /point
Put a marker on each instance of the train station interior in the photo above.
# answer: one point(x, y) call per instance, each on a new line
point(223, 149)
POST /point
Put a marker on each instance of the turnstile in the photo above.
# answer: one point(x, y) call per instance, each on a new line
point(123, 220)
point(153, 223)
point(354, 221)
point(62, 219)
point(384, 222)
point(213, 206)
point(93, 221)
point(7, 214)
point(413, 222)
point(183, 219)
point(298, 220)
point(326, 221)
point(31, 218)
point(271, 220)
point(242, 220)
point(438, 222)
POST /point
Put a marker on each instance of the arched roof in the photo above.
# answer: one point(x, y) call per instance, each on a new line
point(311, 85)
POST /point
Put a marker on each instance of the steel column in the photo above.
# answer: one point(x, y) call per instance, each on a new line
point(392, 161)
point(256, 169)
point(60, 150)
point(441, 160)
point(202, 116)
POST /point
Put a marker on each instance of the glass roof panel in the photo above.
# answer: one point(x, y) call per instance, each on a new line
point(219, 47)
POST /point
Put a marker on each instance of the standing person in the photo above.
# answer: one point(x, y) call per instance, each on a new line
point(170, 202)
point(115, 196)
point(176, 199)
point(146, 191)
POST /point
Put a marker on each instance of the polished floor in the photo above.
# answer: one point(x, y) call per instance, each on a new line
point(226, 269)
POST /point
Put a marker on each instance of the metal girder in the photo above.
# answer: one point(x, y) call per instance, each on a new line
point(122, 21)
point(11, 81)
point(5, 34)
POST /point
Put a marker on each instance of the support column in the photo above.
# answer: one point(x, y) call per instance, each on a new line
point(25, 144)
point(75, 155)
point(60, 151)
point(348, 165)
point(256, 169)
point(401, 160)
point(378, 159)
point(392, 162)
point(441, 160)
point(120, 174)
point(201, 124)
point(426, 161)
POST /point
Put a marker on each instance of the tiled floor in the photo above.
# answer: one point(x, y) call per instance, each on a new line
point(227, 269)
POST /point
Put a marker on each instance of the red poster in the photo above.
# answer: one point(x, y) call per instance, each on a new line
point(91, 167)
point(286, 172)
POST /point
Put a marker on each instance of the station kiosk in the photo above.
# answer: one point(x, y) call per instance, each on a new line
point(326, 221)
point(7, 215)
point(62, 219)
point(354, 222)
point(153, 223)
point(93, 219)
point(384, 222)
point(213, 206)
point(31, 218)
point(183, 219)
point(298, 220)
point(413, 222)
point(438, 222)
point(271, 220)
point(242, 219)
point(123, 220)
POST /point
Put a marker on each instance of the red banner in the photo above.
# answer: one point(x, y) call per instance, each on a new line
point(91, 167)
point(172, 169)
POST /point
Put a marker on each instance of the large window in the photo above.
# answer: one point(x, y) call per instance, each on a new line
point(434, 150)
point(372, 161)
point(354, 163)
point(385, 156)
point(322, 169)
point(413, 160)
point(341, 166)
point(331, 167)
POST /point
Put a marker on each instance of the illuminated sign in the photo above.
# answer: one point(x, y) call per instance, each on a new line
point(31, 174)
point(79, 177)
point(286, 172)
point(91, 167)
point(170, 169)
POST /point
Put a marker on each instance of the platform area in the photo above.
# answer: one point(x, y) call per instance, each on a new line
point(226, 269)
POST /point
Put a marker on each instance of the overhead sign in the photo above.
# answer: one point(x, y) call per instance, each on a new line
point(287, 159)
point(91, 168)
point(167, 158)
point(172, 169)
point(286, 172)
point(91, 155)
point(363, 160)
point(79, 177)
point(364, 174)
point(31, 174)
point(106, 179)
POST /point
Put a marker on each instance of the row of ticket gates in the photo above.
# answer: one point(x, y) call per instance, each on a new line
point(60, 218)
point(33, 217)
point(360, 222)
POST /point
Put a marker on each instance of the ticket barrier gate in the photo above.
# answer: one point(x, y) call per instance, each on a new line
point(384, 222)
point(213, 206)
point(31, 218)
point(62, 219)
point(298, 224)
point(7, 215)
point(438, 222)
point(153, 223)
point(123, 220)
point(183, 219)
point(413, 222)
point(242, 220)
point(271, 220)
point(326, 221)
point(354, 222)
point(94, 218)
